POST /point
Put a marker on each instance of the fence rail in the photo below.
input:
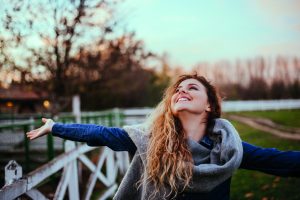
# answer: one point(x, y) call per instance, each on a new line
point(260, 105)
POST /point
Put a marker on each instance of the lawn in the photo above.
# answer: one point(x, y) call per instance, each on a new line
point(289, 118)
point(252, 185)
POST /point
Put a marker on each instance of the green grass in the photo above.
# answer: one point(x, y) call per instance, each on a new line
point(247, 184)
point(289, 118)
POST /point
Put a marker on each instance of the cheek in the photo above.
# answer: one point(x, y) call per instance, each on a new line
point(173, 98)
point(173, 101)
point(202, 97)
point(200, 101)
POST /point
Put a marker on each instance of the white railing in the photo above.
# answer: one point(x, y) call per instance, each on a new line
point(114, 163)
point(138, 114)
point(256, 105)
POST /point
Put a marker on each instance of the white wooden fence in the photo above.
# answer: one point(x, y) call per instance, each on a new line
point(114, 163)
point(133, 116)
point(255, 105)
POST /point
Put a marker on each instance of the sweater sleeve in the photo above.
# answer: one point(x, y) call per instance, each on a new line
point(271, 160)
point(96, 135)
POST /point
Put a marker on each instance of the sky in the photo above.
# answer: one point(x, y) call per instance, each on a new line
point(208, 31)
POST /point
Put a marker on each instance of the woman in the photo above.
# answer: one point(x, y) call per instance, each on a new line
point(184, 151)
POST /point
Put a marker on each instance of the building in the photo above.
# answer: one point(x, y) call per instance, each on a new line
point(18, 100)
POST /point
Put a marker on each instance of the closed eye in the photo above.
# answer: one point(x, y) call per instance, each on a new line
point(193, 88)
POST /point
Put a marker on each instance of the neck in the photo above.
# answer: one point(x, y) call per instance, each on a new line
point(194, 125)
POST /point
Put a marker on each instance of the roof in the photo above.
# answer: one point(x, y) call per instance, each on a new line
point(16, 93)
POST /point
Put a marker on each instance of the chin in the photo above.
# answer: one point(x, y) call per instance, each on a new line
point(179, 110)
point(174, 112)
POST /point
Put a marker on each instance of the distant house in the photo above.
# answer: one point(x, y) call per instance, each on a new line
point(17, 100)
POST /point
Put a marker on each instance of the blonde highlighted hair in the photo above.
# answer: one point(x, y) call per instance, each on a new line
point(169, 162)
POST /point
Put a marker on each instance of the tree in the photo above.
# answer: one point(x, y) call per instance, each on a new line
point(40, 38)
point(113, 76)
point(278, 90)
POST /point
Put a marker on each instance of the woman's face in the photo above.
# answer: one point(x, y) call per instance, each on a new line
point(190, 96)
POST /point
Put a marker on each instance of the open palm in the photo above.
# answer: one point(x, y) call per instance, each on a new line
point(43, 130)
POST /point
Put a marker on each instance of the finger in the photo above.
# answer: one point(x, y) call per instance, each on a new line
point(32, 136)
point(44, 120)
point(30, 133)
point(34, 131)
point(29, 136)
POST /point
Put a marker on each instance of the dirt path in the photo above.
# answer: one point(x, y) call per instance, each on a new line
point(268, 126)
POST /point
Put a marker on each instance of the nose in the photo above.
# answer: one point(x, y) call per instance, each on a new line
point(182, 90)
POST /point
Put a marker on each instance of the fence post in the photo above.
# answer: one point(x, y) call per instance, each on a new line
point(50, 144)
point(26, 146)
point(76, 110)
point(73, 181)
point(111, 167)
point(13, 172)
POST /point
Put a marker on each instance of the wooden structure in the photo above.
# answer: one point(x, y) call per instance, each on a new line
point(114, 163)
point(17, 100)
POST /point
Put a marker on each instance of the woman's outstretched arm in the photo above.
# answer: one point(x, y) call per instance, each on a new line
point(94, 135)
point(267, 160)
point(271, 160)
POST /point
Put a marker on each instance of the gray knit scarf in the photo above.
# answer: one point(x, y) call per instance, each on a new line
point(211, 167)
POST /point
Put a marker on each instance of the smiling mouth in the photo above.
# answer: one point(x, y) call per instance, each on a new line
point(183, 99)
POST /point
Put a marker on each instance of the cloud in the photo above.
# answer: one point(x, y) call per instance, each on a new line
point(280, 14)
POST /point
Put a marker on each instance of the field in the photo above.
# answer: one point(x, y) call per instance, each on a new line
point(248, 184)
point(290, 118)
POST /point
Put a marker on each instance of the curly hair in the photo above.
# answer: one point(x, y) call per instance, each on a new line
point(169, 162)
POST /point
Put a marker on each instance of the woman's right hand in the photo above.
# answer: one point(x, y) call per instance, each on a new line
point(43, 130)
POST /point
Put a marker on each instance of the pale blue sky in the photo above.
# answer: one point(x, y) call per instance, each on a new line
point(196, 30)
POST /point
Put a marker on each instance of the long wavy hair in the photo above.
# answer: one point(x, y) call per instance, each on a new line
point(169, 162)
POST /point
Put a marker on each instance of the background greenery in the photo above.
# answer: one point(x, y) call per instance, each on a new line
point(283, 117)
point(248, 184)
